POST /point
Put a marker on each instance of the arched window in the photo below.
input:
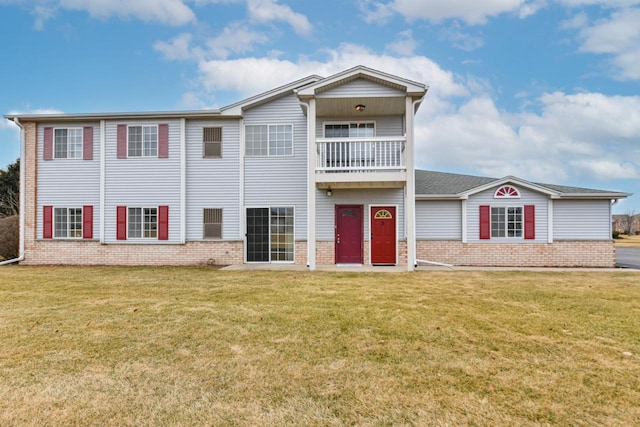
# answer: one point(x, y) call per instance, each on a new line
point(507, 192)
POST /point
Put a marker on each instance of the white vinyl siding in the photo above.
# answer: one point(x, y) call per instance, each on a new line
point(213, 182)
point(361, 88)
point(325, 208)
point(143, 181)
point(280, 180)
point(527, 197)
point(581, 220)
point(68, 182)
point(439, 220)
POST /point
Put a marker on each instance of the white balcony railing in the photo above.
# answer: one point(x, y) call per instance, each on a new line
point(361, 154)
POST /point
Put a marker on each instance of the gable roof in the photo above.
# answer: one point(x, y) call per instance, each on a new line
point(361, 72)
point(443, 185)
point(236, 108)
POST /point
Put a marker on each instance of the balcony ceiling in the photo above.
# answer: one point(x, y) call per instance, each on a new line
point(345, 107)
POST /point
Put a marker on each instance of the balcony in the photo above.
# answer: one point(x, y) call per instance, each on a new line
point(361, 162)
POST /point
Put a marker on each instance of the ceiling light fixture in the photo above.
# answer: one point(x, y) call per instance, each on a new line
point(360, 108)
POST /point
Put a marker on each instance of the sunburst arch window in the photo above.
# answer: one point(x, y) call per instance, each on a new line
point(507, 192)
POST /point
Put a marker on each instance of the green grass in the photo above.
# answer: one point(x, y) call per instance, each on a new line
point(184, 346)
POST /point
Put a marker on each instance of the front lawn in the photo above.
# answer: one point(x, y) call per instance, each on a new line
point(185, 346)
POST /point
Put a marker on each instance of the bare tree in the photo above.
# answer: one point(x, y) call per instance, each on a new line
point(10, 190)
point(627, 222)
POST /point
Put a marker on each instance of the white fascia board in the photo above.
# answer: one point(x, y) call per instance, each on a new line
point(237, 108)
point(112, 116)
point(412, 88)
point(592, 196)
point(511, 180)
point(425, 197)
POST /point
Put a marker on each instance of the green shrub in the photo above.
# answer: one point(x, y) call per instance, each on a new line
point(616, 234)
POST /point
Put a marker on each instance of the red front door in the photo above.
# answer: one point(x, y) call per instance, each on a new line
point(383, 235)
point(349, 233)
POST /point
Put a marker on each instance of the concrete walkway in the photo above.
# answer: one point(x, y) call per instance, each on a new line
point(403, 269)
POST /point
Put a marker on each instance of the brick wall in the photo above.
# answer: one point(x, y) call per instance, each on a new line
point(93, 253)
point(31, 179)
point(557, 254)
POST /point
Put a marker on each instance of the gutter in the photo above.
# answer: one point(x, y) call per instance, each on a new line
point(22, 191)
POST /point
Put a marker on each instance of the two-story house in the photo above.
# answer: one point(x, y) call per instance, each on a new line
point(317, 172)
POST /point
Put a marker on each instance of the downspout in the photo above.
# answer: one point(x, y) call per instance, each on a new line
point(22, 191)
point(416, 103)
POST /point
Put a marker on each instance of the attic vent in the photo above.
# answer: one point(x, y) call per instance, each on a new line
point(212, 142)
point(507, 192)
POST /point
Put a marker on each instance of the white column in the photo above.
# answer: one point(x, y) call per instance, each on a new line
point(311, 184)
point(243, 215)
point(183, 180)
point(410, 198)
point(550, 221)
point(464, 220)
point(103, 163)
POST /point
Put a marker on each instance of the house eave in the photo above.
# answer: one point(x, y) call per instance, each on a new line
point(63, 117)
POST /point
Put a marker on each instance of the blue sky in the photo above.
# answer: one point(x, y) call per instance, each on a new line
point(547, 90)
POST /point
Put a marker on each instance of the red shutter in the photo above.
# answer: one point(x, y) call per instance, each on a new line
point(529, 222)
point(121, 221)
point(163, 141)
point(163, 222)
point(485, 222)
point(122, 141)
point(87, 143)
point(48, 144)
point(87, 222)
point(47, 222)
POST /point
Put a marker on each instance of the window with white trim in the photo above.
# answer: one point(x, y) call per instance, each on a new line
point(143, 223)
point(268, 140)
point(142, 141)
point(67, 143)
point(506, 221)
point(67, 223)
point(212, 223)
point(212, 142)
point(350, 130)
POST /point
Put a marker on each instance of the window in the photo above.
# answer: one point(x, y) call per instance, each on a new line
point(143, 141)
point(507, 192)
point(270, 234)
point(67, 223)
point(269, 140)
point(212, 223)
point(143, 223)
point(67, 143)
point(212, 142)
point(350, 130)
point(506, 221)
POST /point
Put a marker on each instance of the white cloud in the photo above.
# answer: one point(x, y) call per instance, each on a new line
point(471, 11)
point(619, 37)
point(404, 45)
point(461, 40)
point(265, 11)
point(588, 135)
point(179, 49)
point(235, 38)
point(249, 76)
point(170, 12)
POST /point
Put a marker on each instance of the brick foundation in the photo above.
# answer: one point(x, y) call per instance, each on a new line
point(558, 254)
